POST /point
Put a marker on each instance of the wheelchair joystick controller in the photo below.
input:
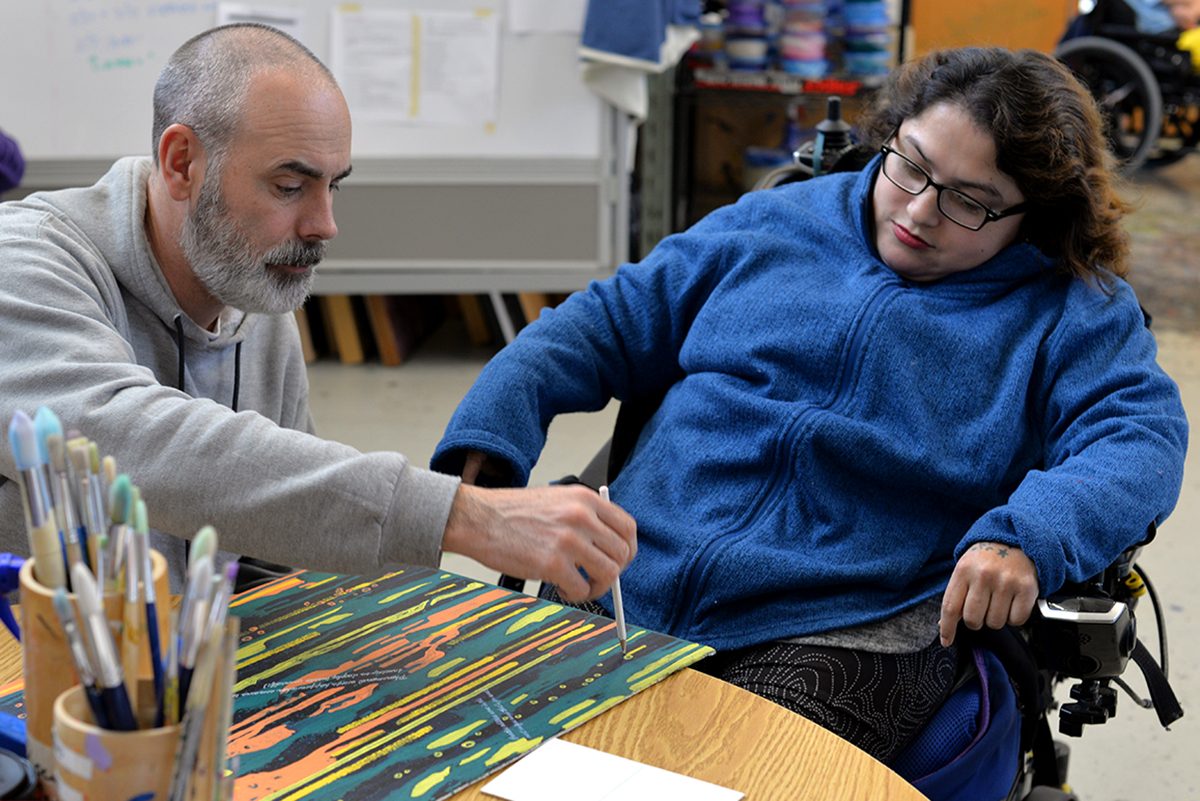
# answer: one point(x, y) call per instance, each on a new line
point(1089, 637)
point(818, 156)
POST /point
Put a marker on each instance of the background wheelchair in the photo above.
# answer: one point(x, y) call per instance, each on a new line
point(1146, 84)
point(992, 739)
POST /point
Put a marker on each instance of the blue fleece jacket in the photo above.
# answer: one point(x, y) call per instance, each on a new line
point(834, 436)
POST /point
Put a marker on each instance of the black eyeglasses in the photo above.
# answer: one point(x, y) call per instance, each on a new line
point(955, 206)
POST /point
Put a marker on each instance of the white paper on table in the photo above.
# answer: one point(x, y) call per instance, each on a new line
point(558, 769)
point(419, 67)
point(286, 18)
point(546, 16)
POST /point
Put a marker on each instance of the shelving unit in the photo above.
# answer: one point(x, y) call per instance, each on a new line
point(703, 118)
point(701, 122)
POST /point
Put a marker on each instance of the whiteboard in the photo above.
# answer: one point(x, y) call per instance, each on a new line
point(79, 78)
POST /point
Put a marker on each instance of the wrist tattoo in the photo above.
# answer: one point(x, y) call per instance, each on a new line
point(1000, 550)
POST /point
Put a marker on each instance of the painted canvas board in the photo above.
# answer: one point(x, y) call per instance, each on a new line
point(418, 682)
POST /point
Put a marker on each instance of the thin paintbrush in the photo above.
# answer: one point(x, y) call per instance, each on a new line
point(193, 719)
point(120, 514)
point(88, 484)
point(83, 662)
point(45, 423)
point(133, 631)
point(193, 616)
point(64, 502)
point(39, 517)
point(108, 671)
point(141, 530)
point(618, 605)
point(223, 691)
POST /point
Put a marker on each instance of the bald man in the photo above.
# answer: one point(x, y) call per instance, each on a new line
point(152, 311)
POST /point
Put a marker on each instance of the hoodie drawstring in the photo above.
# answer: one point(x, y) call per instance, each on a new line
point(179, 346)
point(237, 362)
point(237, 374)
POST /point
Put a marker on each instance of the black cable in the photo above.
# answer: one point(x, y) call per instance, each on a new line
point(1158, 619)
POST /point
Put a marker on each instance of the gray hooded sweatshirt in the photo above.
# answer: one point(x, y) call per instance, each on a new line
point(89, 329)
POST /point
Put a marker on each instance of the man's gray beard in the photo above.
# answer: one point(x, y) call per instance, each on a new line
point(224, 261)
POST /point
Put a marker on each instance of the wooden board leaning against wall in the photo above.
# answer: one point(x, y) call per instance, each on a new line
point(1035, 24)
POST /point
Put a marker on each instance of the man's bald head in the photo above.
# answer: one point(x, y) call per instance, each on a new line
point(205, 82)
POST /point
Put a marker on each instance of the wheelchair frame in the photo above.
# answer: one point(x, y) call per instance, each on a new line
point(1146, 85)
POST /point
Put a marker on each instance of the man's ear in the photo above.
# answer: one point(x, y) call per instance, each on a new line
point(180, 161)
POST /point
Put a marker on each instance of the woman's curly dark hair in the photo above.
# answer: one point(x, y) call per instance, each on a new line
point(1049, 137)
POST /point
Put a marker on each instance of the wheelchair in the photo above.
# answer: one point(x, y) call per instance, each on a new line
point(991, 740)
point(1148, 87)
point(996, 724)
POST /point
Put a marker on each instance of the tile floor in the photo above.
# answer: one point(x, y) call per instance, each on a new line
point(1128, 759)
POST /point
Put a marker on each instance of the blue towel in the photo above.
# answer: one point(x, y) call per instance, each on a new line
point(633, 30)
point(12, 164)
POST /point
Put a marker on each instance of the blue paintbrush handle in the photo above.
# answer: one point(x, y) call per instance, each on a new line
point(156, 664)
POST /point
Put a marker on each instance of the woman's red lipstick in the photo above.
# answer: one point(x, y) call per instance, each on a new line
point(909, 238)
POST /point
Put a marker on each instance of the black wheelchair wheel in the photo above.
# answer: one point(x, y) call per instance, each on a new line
point(1126, 90)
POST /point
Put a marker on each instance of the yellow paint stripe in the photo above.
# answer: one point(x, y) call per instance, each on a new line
point(414, 698)
point(437, 599)
point(429, 782)
point(518, 746)
point(450, 679)
point(306, 786)
point(388, 599)
point(327, 645)
point(403, 728)
point(357, 742)
point(679, 664)
point(657, 664)
point(452, 737)
point(467, 692)
point(250, 681)
point(570, 635)
point(566, 713)
point(438, 670)
point(536, 616)
point(261, 648)
point(600, 708)
point(480, 753)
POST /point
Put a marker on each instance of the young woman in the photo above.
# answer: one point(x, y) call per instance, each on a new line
point(894, 400)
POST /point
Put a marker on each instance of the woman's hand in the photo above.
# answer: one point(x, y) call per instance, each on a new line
point(479, 470)
point(472, 466)
point(992, 584)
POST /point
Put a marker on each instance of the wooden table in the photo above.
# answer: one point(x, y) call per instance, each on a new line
point(702, 727)
point(694, 724)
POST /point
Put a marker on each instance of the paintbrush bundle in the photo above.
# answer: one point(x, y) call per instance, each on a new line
point(90, 598)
